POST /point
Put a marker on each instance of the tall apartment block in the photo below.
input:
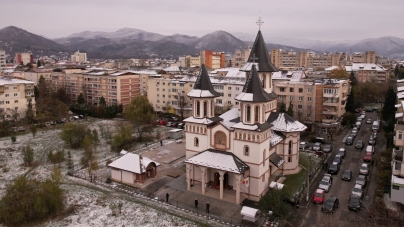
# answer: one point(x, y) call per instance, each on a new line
point(240, 57)
point(212, 60)
point(78, 57)
point(2, 59)
point(24, 58)
point(319, 103)
point(15, 94)
point(365, 72)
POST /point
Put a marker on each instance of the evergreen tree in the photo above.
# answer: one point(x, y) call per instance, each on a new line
point(290, 109)
point(396, 70)
point(30, 113)
point(38, 63)
point(350, 103)
point(353, 79)
point(80, 99)
point(390, 101)
point(102, 103)
point(282, 107)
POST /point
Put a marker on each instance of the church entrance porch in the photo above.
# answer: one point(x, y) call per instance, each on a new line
point(216, 181)
point(228, 195)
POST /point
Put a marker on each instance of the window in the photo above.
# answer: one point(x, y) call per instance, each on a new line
point(309, 90)
point(237, 103)
point(198, 108)
point(196, 142)
point(248, 114)
point(15, 88)
point(229, 88)
point(300, 90)
point(6, 88)
point(158, 89)
point(282, 89)
point(400, 135)
point(219, 101)
point(257, 113)
point(289, 159)
point(190, 85)
point(309, 107)
point(221, 94)
point(7, 95)
point(291, 98)
point(300, 98)
point(228, 95)
point(309, 99)
point(229, 102)
point(308, 115)
point(291, 89)
point(205, 109)
point(299, 106)
point(15, 101)
point(263, 157)
point(158, 95)
point(290, 147)
point(237, 88)
point(7, 102)
point(246, 151)
point(181, 85)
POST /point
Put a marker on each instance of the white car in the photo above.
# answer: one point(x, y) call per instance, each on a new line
point(364, 169)
point(325, 183)
point(303, 145)
point(358, 190)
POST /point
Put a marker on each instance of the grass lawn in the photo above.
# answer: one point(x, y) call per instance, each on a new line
point(294, 182)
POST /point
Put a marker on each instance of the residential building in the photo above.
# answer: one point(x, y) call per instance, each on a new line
point(117, 87)
point(15, 94)
point(368, 72)
point(319, 103)
point(397, 178)
point(24, 58)
point(244, 149)
point(79, 57)
point(368, 58)
point(2, 60)
point(212, 59)
point(240, 57)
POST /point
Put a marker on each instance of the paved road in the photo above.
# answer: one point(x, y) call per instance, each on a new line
point(310, 214)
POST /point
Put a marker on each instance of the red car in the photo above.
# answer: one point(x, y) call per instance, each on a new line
point(161, 122)
point(319, 196)
point(367, 157)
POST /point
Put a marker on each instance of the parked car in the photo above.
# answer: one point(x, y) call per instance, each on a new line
point(325, 183)
point(364, 169)
point(358, 190)
point(354, 132)
point(372, 141)
point(330, 204)
point(367, 157)
point(370, 149)
point(333, 169)
point(21, 128)
point(358, 124)
point(316, 147)
point(354, 202)
point(161, 122)
point(361, 180)
point(358, 119)
point(337, 159)
point(319, 196)
point(359, 144)
point(181, 125)
point(327, 148)
point(349, 140)
point(346, 175)
point(369, 121)
point(169, 124)
point(174, 124)
point(317, 140)
point(341, 152)
point(303, 146)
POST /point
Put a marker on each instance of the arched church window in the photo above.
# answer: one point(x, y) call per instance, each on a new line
point(243, 136)
point(258, 138)
point(253, 138)
point(263, 80)
point(290, 147)
point(220, 140)
point(248, 113)
point(263, 157)
point(205, 108)
point(196, 142)
point(246, 151)
point(257, 113)
point(198, 108)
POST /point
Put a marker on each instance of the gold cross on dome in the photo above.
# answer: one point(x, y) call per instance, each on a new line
point(259, 22)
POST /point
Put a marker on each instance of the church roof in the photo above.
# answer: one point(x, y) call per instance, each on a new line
point(203, 87)
point(285, 123)
point(259, 54)
point(276, 159)
point(219, 160)
point(253, 90)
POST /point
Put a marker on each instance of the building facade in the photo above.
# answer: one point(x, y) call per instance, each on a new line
point(397, 178)
point(241, 151)
point(2, 59)
point(24, 58)
point(240, 57)
point(368, 72)
point(15, 94)
point(78, 57)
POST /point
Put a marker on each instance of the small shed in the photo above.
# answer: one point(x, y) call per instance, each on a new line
point(175, 133)
point(249, 213)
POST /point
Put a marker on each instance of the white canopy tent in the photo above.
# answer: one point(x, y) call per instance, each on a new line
point(248, 213)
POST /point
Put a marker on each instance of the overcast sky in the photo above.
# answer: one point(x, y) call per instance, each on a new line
point(312, 19)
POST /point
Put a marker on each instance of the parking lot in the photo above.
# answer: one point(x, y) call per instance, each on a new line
point(311, 214)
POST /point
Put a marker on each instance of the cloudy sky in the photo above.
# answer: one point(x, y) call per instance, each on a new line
point(312, 19)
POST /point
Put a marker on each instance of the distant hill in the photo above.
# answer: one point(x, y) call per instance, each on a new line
point(13, 39)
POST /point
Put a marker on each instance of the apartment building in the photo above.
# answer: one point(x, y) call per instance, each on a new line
point(212, 60)
point(369, 57)
point(117, 87)
point(78, 57)
point(2, 59)
point(397, 178)
point(240, 57)
point(368, 72)
point(169, 91)
point(320, 103)
point(24, 58)
point(15, 94)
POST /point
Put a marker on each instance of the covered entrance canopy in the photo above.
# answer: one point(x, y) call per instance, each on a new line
point(219, 160)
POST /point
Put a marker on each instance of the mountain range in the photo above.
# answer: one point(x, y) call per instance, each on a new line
point(136, 43)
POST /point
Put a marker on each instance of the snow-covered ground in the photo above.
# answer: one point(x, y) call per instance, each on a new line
point(93, 204)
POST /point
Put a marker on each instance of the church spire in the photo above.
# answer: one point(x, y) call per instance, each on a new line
point(203, 87)
point(253, 90)
point(259, 54)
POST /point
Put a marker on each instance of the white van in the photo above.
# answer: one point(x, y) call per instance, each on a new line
point(375, 126)
point(370, 149)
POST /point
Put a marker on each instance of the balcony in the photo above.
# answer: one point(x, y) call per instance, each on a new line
point(330, 112)
point(330, 103)
point(397, 155)
point(29, 95)
point(397, 142)
point(331, 95)
point(396, 168)
point(328, 121)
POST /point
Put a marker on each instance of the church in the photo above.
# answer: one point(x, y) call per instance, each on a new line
point(236, 154)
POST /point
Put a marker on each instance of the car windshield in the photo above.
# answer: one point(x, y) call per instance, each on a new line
point(318, 195)
point(327, 146)
point(357, 190)
point(354, 200)
point(333, 167)
point(364, 168)
point(346, 173)
point(324, 182)
point(329, 203)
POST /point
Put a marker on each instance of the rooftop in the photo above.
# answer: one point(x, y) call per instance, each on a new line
point(5, 80)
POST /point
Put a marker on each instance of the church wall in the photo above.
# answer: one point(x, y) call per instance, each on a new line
point(229, 137)
point(196, 131)
point(291, 160)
